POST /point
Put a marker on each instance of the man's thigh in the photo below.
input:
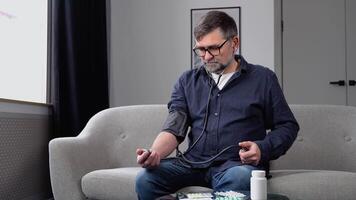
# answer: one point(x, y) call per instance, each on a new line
point(170, 176)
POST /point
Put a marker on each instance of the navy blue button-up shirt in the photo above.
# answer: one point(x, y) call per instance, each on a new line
point(249, 104)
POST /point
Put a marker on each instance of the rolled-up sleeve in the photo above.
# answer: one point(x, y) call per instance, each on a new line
point(280, 120)
point(178, 100)
point(178, 119)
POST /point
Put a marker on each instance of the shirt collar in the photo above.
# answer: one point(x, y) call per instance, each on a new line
point(244, 66)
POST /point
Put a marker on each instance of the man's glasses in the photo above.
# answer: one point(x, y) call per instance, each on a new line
point(213, 50)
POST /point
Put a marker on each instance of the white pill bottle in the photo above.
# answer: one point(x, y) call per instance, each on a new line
point(258, 185)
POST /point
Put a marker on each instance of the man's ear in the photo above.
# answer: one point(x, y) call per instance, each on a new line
point(236, 42)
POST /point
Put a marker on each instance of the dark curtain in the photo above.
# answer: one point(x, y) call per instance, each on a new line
point(78, 63)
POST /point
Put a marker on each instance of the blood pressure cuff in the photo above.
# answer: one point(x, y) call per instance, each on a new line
point(177, 124)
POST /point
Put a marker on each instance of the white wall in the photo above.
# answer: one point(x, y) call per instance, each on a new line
point(150, 44)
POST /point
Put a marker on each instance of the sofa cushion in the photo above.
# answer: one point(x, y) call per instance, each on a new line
point(118, 183)
point(313, 184)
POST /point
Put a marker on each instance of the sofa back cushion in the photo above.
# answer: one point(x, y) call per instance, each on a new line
point(326, 139)
point(124, 129)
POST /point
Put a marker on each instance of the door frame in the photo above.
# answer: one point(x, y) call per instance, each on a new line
point(278, 40)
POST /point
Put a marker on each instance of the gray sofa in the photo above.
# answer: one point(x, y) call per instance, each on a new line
point(100, 163)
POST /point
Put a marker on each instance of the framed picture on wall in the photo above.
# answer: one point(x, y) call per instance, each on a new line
point(197, 13)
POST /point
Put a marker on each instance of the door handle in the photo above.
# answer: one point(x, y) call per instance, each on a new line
point(340, 82)
point(352, 82)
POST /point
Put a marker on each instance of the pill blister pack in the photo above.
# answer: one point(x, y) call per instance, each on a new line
point(226, 195)
point(229, 195)
point(195, 196)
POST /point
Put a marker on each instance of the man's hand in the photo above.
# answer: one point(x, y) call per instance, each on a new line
point(147, 158)
point(250, 153)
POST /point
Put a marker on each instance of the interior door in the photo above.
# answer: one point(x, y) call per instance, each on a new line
point(351, 51)
point(314, 52)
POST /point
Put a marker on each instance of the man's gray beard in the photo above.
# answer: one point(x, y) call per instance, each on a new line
point(215, 67)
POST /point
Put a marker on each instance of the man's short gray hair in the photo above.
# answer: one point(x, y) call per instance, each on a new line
point(213, 20)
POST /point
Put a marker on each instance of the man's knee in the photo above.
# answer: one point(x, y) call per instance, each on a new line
point(235, 178)
point(151, 178)
point(141, 181)
point(241, 174)
point(153, 183)
point(145, 179)
point(144, 186)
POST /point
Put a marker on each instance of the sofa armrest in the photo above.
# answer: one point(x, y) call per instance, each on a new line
point(69, 160)
point(109, 140)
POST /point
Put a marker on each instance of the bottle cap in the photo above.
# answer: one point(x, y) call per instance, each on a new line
point(258, 173)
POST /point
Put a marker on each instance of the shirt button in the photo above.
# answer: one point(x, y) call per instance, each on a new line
point(216, 114)
point(218, 95)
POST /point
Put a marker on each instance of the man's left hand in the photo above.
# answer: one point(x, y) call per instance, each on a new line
point(250, 153)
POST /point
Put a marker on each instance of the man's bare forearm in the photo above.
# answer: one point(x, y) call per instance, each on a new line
point(164, 144)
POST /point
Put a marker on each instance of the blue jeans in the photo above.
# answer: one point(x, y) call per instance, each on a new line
point(172, 175)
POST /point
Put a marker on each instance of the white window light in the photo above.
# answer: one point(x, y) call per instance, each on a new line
point(23, 50)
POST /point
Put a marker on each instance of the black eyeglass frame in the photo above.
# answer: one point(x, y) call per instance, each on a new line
point(202, 49)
